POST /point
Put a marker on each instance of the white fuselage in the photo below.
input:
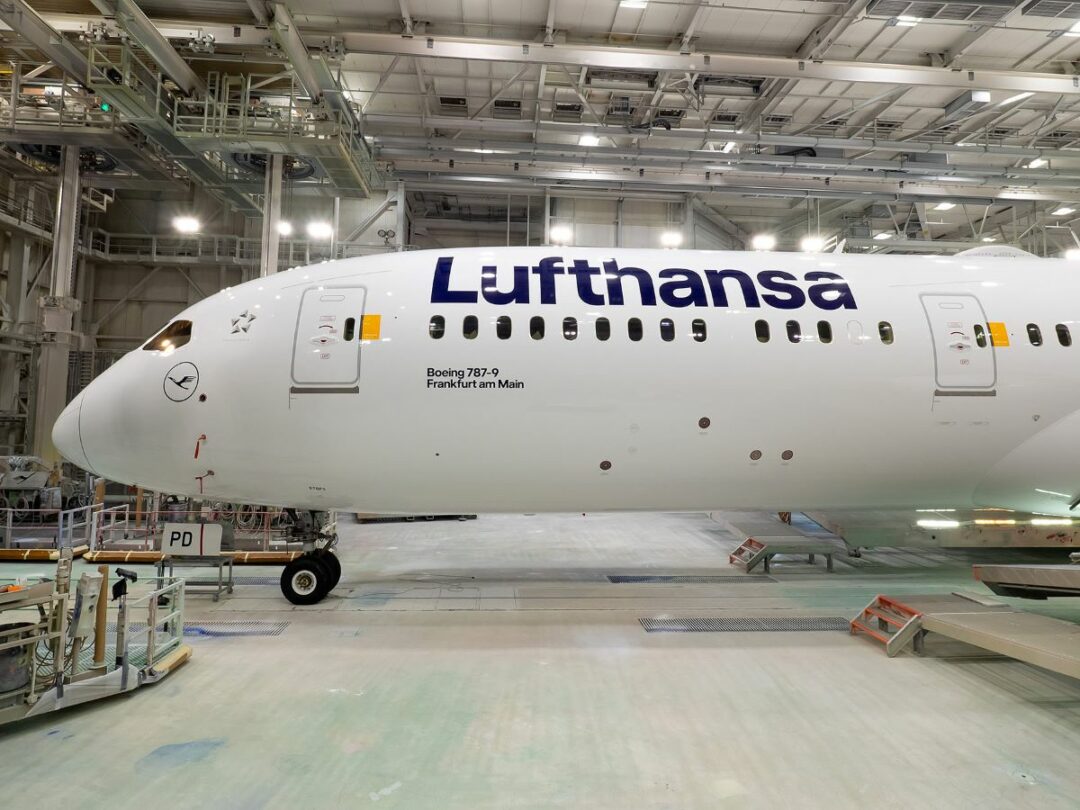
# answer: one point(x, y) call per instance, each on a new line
point(286, 411)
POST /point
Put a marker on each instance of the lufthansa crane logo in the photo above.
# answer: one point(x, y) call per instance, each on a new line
point(181, 381)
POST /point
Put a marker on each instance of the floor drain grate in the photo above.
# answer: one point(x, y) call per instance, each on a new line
point(660, 579)
point(746, 624)
point(232, 629)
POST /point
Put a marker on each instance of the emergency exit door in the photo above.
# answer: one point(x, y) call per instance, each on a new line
point(326, 351)
point(964, 361)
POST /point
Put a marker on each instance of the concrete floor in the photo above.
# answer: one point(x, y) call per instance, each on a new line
point(490, 664)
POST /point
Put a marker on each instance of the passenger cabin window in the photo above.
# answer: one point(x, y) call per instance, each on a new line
point(794, 334)
point(824, 331)
point(667, 329)
point(569, 328)
point(470, 328)
point(1064, 336)
point(697, 329)
point(633, 328)
point(173, 336)
point(502, 327)
point(761, 328)
point(884, 330)
point(437, 327)
point(980, 336)
point(603, 329)
point(1034, 334)
point(536, 327)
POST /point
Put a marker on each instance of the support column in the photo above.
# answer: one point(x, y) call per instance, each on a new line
point(271, 216)
point(399, 231)
point(57, 312)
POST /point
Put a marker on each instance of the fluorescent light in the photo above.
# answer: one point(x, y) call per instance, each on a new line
point(639, 4)
point(671, 239)
point(945, 206)
point(1062, 212)
point(982, 96)
point(588, 140)
point(186, 224)
point(812, 244)
point(1073, 254)
point(763, 241)
point(882, 235)
point(935, 510)
point(1037, 163)
point(1051, 522)
point(938, 524)
point(320, 230)
point(1074, 31)
point(729, 147)
point(995, 522)
point(561, 234)
point(284, 227)
point(989, 238)
point(907, 21)
point(1013, 99)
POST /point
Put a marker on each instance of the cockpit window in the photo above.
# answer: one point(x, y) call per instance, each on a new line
point(173, 336)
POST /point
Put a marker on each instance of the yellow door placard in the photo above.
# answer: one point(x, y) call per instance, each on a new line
point(370, 327)
point(999, 335)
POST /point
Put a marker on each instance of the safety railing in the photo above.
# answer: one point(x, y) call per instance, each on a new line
point(23, 527)
point(251, 525)
point(144, 644)
point(110, 523)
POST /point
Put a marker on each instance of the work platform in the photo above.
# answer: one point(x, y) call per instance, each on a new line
point(1030, 581)
point(900, 622)
point(765, 536)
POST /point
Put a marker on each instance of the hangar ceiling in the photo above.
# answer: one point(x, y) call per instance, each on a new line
point(942, 122)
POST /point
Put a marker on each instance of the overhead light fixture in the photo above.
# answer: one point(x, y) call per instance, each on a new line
point(945, 206)
point(883, 235)
point(284, 227)
point(1062, 212)
point(907, 21)
point(1073, 254)
point(1014, 99)
point(320, 230)
point(966, 104)
point(561, 234)
point(1074, 31)
point(989, 238)
point(671, 239)
point(938, 524)
point(994, 522)
point(812, 244)
point(1037, 163)
point(186, 224)
point(1051, 522)
point(763, 241)
point(638, 4)
point(588, 140)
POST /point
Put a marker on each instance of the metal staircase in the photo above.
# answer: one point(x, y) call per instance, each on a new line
point(889, 622)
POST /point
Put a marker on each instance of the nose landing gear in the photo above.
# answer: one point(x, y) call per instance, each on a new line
point(316, 572)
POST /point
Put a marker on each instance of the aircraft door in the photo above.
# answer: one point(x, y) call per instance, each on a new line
point(964, 360)
point(326, 350)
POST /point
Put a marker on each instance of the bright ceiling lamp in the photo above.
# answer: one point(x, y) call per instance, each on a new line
point(763, 241)
point(1074, 31)
point(883, 235)
point(1073, 254)
point(989, 238)
point(907, 21)
point(812, 244)
point(938, 524)
point(561, 234)
point(671, 239)
point(945, 206)
point(186, 224)
point(1064, 211)
point(1037, 163)
point(320, 230)
point(284, 227)
point(638, 4)
point(1014, 99)
point(588, 140)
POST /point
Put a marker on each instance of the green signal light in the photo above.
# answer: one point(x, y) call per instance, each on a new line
point(106, 106)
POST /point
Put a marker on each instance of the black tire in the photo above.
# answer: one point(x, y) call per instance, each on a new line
point(305, 581)
point(332, 564)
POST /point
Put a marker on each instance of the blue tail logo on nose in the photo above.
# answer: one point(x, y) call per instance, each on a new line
point(181, 381)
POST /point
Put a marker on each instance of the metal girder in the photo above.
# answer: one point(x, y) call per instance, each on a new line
point(288, 37)
point(132, 19)
point(29, 24)
point(731, 64)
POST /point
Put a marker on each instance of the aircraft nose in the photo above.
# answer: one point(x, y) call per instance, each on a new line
point(67, 436)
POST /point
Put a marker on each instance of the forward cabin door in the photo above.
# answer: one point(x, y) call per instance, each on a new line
point(326, 350)
point(964, 359)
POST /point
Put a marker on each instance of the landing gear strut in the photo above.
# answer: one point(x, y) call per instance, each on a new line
point(312, 575)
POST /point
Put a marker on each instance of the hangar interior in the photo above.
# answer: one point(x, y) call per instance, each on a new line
point(155, 152)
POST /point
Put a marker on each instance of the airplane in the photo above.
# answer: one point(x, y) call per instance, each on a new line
point(566, 379)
